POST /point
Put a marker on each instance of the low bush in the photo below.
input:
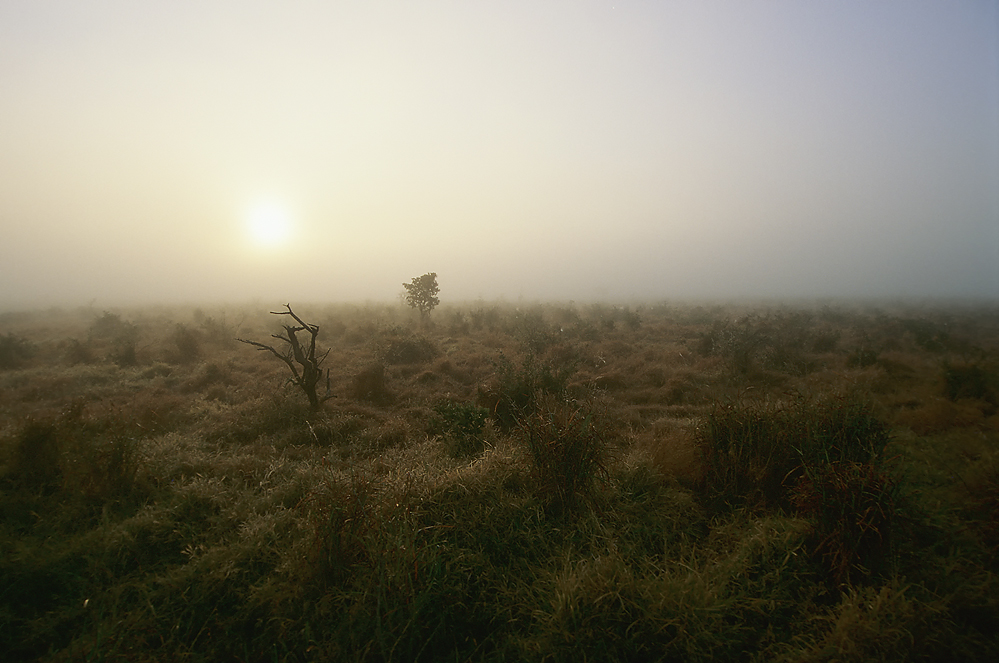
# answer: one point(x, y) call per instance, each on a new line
point(753, 452)
point(412, 350)
point(36, 461)
point(15, 350)
point(778, 342)
point(863, 356)
point(369, 385)
point(568, 451)
point(105, 465)
point(273, 416)
point(78, 352)
point(825, 460)
point(516, 388)
point(82, 453)
point(534, 333)
point(211, 374)
point(968, 381)
point(188, 342)
point(462, 425)
point(111, 326)
point(124, 352)
point(927, 334)
point(218, 331)
point(854, 507)
point(340, 518)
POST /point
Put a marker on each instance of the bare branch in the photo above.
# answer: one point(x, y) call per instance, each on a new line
point(311, 372)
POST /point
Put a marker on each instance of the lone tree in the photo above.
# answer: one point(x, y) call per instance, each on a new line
point(422, 293)
point(311, 372)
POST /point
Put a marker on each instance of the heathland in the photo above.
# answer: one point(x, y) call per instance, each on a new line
point(533, 482)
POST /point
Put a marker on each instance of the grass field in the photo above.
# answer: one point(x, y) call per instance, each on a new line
point(553, 482)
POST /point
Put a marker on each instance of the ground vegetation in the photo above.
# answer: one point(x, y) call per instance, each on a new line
point(532, 482)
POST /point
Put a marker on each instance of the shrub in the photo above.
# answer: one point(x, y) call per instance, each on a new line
point(862, 357)
point(631, 319)
point(188, 343)
point(273, 416)
point(752, 451)
point(927, 334)
point(109, 464)
point(825, 341)
point(485, 318)
point(516, 388)
point(775, 342)
point(217, 330)
point(124, 353)
point(369, 385)
point(983, 512)
point(462, 425)
point(36, 461)
point(413, 350)
point(968, 381)
point(340, 519)
point(826, 460)
point(738, 342)
point(79, 353)
point(534, 333)
point(85, 455)
point(14, 350)
point(459, 324)
point(568, 452)
point(210, 374)
point(111, 326)
point(122, 335)
point(853, 506)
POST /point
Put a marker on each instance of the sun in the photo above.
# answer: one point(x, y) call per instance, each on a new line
point(269, 224)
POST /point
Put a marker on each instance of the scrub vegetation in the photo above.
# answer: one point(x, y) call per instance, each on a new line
point(554, 482)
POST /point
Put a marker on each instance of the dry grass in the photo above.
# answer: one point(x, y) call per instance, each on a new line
point(165, 494)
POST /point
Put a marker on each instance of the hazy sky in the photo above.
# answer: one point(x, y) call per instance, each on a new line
point(540, 149)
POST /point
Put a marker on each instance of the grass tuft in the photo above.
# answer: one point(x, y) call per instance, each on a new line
point(462, 425)
point(755, 451)
point(568, 451)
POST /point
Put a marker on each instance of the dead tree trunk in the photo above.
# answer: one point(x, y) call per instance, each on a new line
point(311, 372)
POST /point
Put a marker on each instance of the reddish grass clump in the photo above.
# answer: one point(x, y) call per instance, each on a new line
point(854, 508)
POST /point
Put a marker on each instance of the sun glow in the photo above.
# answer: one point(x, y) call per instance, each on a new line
point(269, 224)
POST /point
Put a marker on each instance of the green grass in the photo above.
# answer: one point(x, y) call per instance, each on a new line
point(533, 490)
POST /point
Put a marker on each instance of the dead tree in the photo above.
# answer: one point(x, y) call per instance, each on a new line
point(311, 373)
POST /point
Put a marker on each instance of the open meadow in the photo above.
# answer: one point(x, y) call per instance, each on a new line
point(498, 481)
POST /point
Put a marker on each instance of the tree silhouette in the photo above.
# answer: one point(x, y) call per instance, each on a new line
point(422, 293)
point(305, 357)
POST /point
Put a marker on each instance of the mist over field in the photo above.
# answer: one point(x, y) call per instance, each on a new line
point(229, 151)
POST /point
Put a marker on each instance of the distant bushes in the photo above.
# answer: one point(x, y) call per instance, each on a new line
point(774, 341)
point(188, 343)
point(15, 350)
point(122, 335)
point(968, 381)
